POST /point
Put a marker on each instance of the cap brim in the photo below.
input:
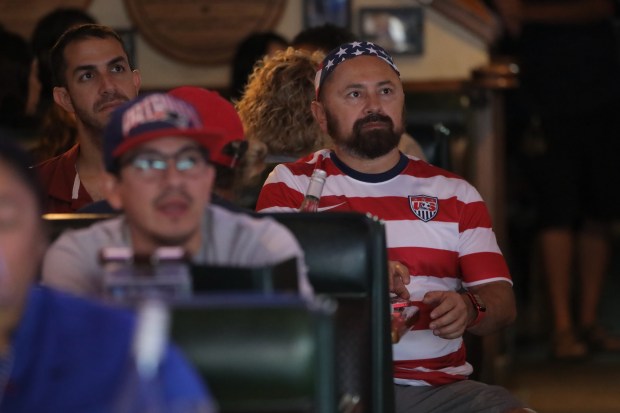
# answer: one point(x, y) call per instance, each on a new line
point(204, 137)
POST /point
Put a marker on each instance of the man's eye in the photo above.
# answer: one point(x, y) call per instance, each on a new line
point(142, 164)
point(355, 94)
point(118, 68)
point(145, 164)
point(159, 164)
point(386, 91)
point(86, 76)
point(187, 162)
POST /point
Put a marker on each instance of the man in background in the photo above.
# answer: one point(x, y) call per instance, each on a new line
point(56, 130)
point(92, 77)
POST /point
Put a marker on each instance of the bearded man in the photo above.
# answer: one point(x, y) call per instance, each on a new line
point(442, 250)
point(92, 77)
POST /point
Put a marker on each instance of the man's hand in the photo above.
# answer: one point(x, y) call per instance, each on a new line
point(398, 278)
point(450, 314)
point(453, 312)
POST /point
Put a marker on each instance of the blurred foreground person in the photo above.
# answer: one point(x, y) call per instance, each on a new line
point(218, 112)
point(157, 151)
point(60, 353)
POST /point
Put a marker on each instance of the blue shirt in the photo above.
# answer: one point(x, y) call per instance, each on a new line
point(72, 355)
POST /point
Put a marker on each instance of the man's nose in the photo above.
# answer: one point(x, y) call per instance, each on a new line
point(373, 104)
point(172, 175)
point(107, 84)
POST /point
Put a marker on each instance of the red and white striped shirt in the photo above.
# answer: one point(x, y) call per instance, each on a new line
point(436, 224)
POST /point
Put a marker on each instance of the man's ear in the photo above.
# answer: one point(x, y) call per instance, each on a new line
point(62, 98)
point(137, 80)
point(318, 111)
point(111, 190)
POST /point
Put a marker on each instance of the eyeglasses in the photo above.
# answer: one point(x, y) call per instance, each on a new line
point(149, 165)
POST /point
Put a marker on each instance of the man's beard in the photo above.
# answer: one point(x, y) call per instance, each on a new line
point(89, 120)
point(96, 125)
point(369, 144)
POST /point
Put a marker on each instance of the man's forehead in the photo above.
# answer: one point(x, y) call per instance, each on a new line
point(89, 40)
point(347, 52)
point(167, 144)
point(366, 67)
point(86, 47)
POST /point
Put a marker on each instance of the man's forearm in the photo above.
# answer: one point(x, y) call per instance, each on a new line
point(501, 307)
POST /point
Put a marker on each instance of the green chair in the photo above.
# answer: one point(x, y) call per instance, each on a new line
point(347, 261)
point(269, 279)
point(57, 223)
point(260, 353)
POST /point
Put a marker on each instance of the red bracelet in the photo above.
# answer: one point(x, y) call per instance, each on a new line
point(479, 306)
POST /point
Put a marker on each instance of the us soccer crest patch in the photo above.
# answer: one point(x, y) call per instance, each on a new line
point(424, 207)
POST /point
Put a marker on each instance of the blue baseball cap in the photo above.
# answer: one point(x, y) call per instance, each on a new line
point(150, 117)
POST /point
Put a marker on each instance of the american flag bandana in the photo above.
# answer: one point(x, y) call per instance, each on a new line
point(349, 51)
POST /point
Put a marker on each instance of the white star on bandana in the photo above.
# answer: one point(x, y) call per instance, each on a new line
point(349, 51)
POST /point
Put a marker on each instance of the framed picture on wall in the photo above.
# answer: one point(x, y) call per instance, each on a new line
point(399, 30)
point(319, 12)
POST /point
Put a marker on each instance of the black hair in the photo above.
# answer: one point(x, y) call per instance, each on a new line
point(77, 33)
point(325, 37)
point(20, 162)
point(249, 51)
point(47, 31)
point(15, 63)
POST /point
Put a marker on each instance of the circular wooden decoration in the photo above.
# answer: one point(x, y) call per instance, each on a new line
point(202, 31)
point(22, 16)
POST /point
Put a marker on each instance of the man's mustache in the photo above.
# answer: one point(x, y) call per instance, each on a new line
point(116, 97)
point(373, 117)
point(172, 193)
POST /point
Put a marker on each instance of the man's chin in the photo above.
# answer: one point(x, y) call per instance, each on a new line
point(172, 238)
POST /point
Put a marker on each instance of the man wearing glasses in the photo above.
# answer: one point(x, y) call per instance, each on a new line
point(156, 151)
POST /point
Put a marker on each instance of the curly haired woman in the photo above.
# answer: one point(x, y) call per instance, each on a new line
point(275, 111)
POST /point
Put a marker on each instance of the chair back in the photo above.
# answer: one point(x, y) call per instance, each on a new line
point(269, 279)
point(260, 353)
point(346, 258)
point(57, 223)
